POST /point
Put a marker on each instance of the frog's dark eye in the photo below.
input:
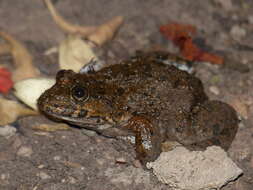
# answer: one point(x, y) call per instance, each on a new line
point(80, 93)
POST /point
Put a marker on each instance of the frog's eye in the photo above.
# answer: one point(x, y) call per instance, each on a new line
point(80, 93)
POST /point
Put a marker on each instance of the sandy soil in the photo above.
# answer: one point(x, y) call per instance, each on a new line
point(72, 160)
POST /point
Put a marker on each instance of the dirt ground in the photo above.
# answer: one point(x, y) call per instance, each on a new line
point(71, 160)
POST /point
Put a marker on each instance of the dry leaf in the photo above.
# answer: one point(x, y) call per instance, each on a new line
point(29, 90)
point(181, 35)
point(51, 127)
point(5, 80)
point(106, 31)
point(11, 110)
point(75, 53)
point(99, 35)
point(22, 59)
point(5, 48)
point(66, 26)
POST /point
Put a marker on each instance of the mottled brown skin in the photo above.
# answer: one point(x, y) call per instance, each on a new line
point(145, 99)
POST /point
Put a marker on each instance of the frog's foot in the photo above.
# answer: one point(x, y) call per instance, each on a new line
point(217, 124)
point(147, 138)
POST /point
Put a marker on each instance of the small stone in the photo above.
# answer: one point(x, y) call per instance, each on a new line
point(251, 162)
point(237, 32)
point(3, 176)
point(240, 107)
point(41, 166)
point(137, 164)
point(215, 90)
point(43, 175)
point(183, 169)
point(121, 160)
point(72, 180)
point(25, 151)
point(89, 133)
point(57, 158)
point(226, 4)
point(7, 131)
point(250, 19)
point(17, 143)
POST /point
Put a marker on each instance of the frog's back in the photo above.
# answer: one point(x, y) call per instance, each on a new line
point(154, 87)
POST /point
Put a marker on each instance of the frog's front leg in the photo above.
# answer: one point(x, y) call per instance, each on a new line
point(147, 138)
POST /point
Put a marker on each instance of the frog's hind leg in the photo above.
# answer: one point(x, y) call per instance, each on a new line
point(216, 124)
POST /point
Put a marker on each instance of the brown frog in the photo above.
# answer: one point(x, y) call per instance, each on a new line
point(144, 101)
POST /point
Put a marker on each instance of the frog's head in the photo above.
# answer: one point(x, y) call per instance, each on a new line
point(79, 99)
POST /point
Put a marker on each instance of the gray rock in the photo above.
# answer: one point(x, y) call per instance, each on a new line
point(7, 131)
point(182, 169)
point(237, 32)
point(25, 151)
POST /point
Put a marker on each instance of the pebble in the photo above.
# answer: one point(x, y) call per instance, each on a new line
point(41, 166)
point(250, 19)
point(137, 164)
point(237, 32)
point(89, 133)
point(57, 158)
point(226, 4)
point(43, 175)
point(215, 90)
point(121, 160)
point(251, 162)
point(7, 131)
point(240, 107)
point(25, 151)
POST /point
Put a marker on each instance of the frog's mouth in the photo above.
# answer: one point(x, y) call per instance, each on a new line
point(92, 123)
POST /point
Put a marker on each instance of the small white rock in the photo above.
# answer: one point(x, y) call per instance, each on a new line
point(57, 158)
point(215, 90)
point(25, 151)
point(237, 32)
point(43, 175)
point(7, 131)
point(250, 19)
point(182, 169)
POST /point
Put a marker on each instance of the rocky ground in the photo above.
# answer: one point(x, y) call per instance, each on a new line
point(72, 160)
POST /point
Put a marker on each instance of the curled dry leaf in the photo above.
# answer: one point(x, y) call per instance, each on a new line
point(5, 48)
point(66, 26)
point(75, 53)
point(29, 90)
point(99, 35)
point(11, 110)
point(182, 36)
point(106, 31)
point(22, 58)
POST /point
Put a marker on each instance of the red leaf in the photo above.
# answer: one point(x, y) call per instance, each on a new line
point(5, 81)
point(181, 36)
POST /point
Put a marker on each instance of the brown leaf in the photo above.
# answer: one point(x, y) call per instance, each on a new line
point(11, 110)
point(106, 31)
point(181, 35)
point(66, 26)
point(97, 34)
point(22, 58)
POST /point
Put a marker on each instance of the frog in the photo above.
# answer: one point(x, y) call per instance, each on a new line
point(144, 101)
